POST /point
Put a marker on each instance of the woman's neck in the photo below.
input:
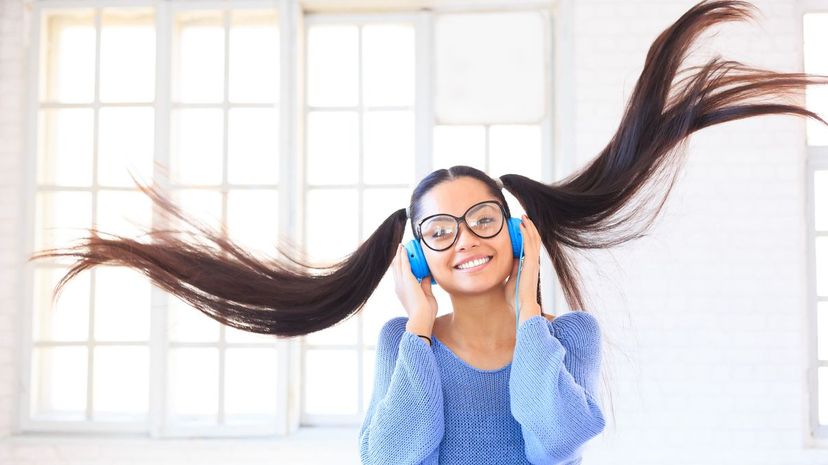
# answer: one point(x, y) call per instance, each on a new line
point(481, 322)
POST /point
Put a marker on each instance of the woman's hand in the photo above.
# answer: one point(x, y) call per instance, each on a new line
point(416, 297)
point(528, 292)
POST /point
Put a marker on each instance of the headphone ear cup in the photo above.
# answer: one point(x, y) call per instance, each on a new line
point(515, 235)
point(419, 267)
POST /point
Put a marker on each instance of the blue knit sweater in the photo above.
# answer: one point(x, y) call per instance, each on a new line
point(430, 407)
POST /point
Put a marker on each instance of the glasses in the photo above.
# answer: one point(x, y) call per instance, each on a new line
point(484, 219)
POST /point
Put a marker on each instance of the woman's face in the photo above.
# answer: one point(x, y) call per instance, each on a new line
point(455, 197)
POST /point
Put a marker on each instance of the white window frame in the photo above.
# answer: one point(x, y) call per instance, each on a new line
point(423, 22)
point(292, 15)
point(817, 161)
point(156, 425)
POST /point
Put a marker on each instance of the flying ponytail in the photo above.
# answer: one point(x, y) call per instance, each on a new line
point(586, 210)
point(282, 296)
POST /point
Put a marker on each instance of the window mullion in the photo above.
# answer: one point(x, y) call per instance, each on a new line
point(159, 347)
point(291, 193)
point(423, 95)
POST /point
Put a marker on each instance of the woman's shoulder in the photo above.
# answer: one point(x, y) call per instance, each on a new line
point(391, 333)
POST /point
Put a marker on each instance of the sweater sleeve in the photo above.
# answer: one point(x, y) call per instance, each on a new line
point(552, 386)
point(404, 423)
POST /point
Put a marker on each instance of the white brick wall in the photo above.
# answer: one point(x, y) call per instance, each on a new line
point(704, 319)
point(11, 161)
point(708, 312)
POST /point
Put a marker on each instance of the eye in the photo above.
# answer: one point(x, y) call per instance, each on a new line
point(436, 235)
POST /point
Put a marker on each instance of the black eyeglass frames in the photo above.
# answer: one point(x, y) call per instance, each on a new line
point(439, 232)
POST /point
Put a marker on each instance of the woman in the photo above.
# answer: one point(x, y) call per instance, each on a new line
point(540, 408)
point(480, 393)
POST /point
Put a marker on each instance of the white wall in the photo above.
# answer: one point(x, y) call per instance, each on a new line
point(705, 319)
point(11, 166)
point(709, 311)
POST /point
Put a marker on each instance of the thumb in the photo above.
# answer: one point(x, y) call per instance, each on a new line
point(426, 285)
point(515, 263)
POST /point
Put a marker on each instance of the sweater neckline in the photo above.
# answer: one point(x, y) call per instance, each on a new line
point(463, 362)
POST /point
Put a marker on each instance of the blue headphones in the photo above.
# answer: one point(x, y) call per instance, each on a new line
point(420, 268)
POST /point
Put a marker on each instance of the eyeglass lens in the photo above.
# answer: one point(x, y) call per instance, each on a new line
point(484, 220)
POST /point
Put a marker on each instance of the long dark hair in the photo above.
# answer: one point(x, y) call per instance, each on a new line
point(287, 296)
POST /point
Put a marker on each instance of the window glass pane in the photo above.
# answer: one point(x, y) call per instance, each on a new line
point(333, 144)
point(127, 55)
point(821, 200)
point(198, 57)
point(203, 206)
point(189, 324)
point(388, 64)
point(67, 55)
point(122, 304)
point(389, 147)
point(126, 213)
point(65, 147)
point(62, 218)
point(253, 219)
point(254, 56)
point(68, 319)
point(251, 389)
point(59, 383)
point(126, 144)
point(515, 149)
point(822, 330)
point(333, 65)
point(253, 146)
point(481, 76)
point(381, 307)
point(196, 152)
point(344, 332)
point(121, 383)
point(815, 30)
point(369, 364)
point(379, 205)
point(822, 266)
point(459, 145)
point(332, 224)
point(327, 368)
point(193, 388)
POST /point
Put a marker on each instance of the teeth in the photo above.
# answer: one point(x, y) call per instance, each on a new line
point(473, 263)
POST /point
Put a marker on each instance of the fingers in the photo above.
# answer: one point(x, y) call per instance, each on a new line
point(397, 260)
point(404, 265)
point(531, 236)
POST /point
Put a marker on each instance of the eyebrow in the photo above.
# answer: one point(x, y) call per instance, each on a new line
point(464, 211)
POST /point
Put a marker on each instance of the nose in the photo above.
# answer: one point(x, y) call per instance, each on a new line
point(466, 238)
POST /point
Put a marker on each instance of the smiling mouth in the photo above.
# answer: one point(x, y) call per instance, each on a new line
point(477, 267)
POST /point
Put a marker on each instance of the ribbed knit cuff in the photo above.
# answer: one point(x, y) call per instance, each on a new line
point(581, 330)
point(534, 340)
